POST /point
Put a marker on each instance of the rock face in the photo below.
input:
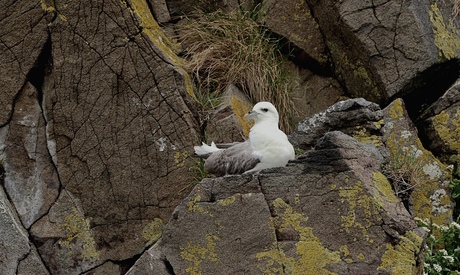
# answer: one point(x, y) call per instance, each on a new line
point(96, 125)
point(376, 46)
point(281, 221)
point(441, 126)
point(18, 255)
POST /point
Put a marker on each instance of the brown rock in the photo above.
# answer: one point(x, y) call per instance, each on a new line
point(294, 21)
point(315, 93)
point(24, 33)
point(330, 211)
point(376, 46)
point(119, 132)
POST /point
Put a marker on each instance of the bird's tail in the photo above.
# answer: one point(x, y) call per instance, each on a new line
point(205, 150)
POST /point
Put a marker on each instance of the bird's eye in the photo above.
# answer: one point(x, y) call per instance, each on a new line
point(265, 109)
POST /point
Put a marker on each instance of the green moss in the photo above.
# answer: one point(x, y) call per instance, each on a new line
point(153, 231)
point(196, 254)
point(446, 35)
point(78, 231)
point(310, 255)
point(401, 258)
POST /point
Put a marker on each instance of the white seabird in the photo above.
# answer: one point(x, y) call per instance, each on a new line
point(267, 146)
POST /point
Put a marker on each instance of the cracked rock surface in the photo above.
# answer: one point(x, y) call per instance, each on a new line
point(282, 220)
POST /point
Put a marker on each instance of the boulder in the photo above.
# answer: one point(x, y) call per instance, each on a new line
point(349, 116)
point(24, 35)
point(281, 220)
point(430, 197)
point(441, 125)
point(314, 94)
point(18, 255)
point(31, 179)
point(380, 47)
point(293, 21)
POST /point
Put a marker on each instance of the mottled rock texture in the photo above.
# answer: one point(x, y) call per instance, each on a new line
point(17, 254)
point(96, 130)
point(281, 220)
point(441, 126)
point(379, 48)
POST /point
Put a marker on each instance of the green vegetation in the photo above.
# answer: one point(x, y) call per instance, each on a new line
point(455, 186)
point(405, 172)
point(232, 47)
point(442, 250)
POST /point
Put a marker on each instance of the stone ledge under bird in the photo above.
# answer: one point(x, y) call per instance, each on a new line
point(266, 147)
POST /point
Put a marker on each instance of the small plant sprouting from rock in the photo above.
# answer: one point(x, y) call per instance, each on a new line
point(405, 171)
point(232, 47)
point(442, 249)
point(195, 166)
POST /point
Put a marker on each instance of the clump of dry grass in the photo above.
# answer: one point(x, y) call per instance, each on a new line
point(233, 48)
point(405, 171)
point(456, 4)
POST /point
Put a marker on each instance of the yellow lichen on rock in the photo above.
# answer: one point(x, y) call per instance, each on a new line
point(399, 259)
point(153, 231)
point(432, 176)
point(311, 257)
point(361, 135)
point(227, 201)
point(241, 108)
point(195, 207)
point(446, 35)
point(358, 202)
point(447, 128)
point(78, 231)
point(150, 27)
point(196, 254)
point(383, 191)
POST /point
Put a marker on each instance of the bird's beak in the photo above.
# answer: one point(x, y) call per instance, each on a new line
point(250, 115)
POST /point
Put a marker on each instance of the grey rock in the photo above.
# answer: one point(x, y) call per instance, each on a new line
point(282, 220)
point(344, 116)
point(17, 254)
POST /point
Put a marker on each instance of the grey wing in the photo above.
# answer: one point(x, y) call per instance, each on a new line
point(236, 159)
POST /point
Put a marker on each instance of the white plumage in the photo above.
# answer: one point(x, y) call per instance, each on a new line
point(267, 146)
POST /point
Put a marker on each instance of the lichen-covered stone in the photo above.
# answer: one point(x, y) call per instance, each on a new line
point(293, 20)
point(375, 46)
point(357, 117)
point(281, 220)
point(441, 126)
point(430, 197)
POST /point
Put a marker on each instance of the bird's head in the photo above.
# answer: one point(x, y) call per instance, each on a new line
point(263, 111)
